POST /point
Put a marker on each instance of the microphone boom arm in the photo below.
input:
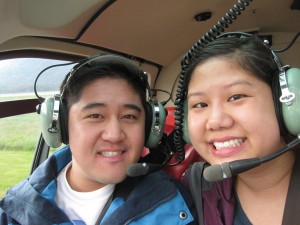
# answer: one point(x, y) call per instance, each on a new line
point(225, 170)
point(239, 166)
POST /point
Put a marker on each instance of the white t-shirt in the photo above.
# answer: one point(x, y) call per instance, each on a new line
point(81, 206)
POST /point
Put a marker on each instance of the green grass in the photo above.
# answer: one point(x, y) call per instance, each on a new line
point(19, 133)
point(18, 139)
point(14, 166)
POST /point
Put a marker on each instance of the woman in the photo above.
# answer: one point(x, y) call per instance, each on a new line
point(228, 91)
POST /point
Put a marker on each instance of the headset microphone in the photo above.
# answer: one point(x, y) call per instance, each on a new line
point(139, 169)
point(156, 159)
point(228, 169)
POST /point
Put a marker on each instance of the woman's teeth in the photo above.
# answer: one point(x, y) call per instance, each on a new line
point(228, 144)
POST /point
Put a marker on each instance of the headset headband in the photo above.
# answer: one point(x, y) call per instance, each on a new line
point(116, 62)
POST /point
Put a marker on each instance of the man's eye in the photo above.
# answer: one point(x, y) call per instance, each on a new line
point(129, 117)
point(236, 97)
point(95, 116)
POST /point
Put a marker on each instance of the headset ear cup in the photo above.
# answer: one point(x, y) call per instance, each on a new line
point(157, 116)
point(53, 139)
point(185, 135)
point(277, 103)
point(291, 113)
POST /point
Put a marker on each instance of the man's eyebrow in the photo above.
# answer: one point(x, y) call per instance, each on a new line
point(93, 105)
point(133, 106)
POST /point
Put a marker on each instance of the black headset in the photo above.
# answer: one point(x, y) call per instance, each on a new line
point(286, 94)
point(54, 111)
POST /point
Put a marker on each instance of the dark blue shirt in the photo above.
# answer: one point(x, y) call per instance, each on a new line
point(240, 217)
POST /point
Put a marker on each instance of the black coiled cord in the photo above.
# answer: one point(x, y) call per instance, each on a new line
point(211, 35)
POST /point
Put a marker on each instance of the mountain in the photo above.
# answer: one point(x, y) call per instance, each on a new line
point(19, 75)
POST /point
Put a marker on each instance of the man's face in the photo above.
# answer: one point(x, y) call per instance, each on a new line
point(106, 133)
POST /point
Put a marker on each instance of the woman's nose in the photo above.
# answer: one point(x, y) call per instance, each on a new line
point(219, 118)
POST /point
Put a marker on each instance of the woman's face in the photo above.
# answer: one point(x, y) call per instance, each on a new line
point(230, 113)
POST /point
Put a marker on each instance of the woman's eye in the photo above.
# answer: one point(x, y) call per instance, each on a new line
point(200, 105)
point(236, 97)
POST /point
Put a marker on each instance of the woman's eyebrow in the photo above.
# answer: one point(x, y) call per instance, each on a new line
point(234, 83)
point(196, 93)
point(239, 82)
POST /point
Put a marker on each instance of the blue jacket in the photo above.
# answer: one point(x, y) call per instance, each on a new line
point(153, 199)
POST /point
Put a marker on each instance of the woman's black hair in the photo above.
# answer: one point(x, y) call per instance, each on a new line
point(249, 52)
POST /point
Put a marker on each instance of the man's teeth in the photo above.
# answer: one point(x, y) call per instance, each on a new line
point(111, 154)
point(228, 144)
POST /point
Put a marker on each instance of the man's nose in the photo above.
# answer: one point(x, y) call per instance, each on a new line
point(113, 131)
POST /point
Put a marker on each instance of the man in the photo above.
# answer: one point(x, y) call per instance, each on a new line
point(104, 120)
